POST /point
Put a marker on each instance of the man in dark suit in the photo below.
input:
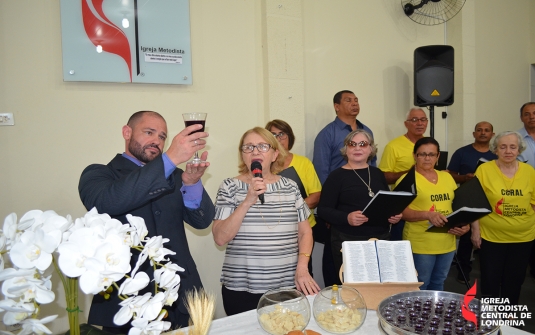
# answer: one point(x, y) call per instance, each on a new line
point(146, 183)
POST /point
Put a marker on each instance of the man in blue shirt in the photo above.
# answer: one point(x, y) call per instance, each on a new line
point(464, 161)
point(462, 166)
point(527, 116)
point(327, 157)
point(330, 139)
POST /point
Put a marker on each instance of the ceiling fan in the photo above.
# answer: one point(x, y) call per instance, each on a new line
point(431, 12)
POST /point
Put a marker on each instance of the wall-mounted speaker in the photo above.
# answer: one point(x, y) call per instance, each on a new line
point(433, 75)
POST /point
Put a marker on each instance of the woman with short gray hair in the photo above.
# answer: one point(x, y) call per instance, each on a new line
point(506, 235)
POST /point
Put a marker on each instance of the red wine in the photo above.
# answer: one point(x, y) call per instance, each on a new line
point(192, 122)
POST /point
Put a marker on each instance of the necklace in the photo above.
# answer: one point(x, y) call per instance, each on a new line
point(370, 192)
point(280, 214)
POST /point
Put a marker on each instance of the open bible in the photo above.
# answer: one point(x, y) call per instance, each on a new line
point(378, 262)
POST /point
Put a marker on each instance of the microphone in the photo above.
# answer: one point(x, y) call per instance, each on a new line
point(256, 168)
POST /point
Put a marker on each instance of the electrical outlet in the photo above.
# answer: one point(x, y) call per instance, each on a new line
point(6, 119)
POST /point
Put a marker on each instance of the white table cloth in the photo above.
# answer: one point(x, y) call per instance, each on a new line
point(247, 324)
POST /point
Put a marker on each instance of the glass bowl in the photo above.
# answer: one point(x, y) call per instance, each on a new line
point(282, 310)
point(339, 309)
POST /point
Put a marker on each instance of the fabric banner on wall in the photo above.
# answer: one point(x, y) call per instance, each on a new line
point(138, 41)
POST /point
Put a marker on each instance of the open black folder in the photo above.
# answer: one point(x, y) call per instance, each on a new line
point(292, 174)
point(408, 183)
point(469, 204)
point(386, 204)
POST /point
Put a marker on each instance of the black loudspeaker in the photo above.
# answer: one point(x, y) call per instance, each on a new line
point(433, 75)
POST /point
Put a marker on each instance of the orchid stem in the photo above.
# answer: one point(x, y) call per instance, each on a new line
point(61, 276)
point(70, 285)
point(155, 282)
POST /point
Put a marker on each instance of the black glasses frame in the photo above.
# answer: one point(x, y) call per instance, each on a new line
point(261, 147)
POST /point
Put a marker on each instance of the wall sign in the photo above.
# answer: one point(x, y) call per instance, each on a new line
point(138, 41)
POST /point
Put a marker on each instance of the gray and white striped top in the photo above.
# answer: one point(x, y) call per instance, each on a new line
point(263, 254)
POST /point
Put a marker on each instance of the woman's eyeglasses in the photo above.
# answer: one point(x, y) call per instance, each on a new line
point(361, 144)
point(280, 136)
point(262, 147)
point(426, 154)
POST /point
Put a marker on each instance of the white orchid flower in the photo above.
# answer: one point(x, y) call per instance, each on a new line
point(130, 307)
point(10, 226)
point(171, 295)
point(166, 275)
point(131, 286)
point(96, 278)
point(94, 219)
point(115, 256)
point(3, 241)
point(53, 222)
point(71, 260)
point(29, 288)
point(143, 255)
point(13, 306)
point(15, 311)
point(142, 326)
point(31, 219)
point(12, 273)
point(153, 307)
point(35, 249)
point(34, 326)
point(170, 281)
point(156, 250)
point(140, 229)
point(82, 244)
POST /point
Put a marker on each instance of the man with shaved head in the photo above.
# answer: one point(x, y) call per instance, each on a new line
point(464, 161)
point(462, 166)
point(144, 181)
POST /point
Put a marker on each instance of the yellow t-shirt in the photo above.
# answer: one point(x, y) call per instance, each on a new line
point(306, 172)
point(512, 218)
point(397, 156)
point(436, 198)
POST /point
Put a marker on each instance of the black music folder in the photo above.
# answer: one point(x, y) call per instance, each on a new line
point(292, 174)
point(469, 204)
point(386, 204)
point(408, 184)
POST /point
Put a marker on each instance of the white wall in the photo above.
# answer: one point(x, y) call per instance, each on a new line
point(60, 127)
point(366, 47)
point(248, 56)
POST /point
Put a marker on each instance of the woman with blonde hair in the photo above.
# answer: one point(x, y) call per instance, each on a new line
point(268, 242)
point(348, 190)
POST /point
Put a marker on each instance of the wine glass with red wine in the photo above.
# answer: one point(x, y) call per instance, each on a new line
point(191, 119)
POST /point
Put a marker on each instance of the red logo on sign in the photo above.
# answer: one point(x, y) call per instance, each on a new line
point(101, 31)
